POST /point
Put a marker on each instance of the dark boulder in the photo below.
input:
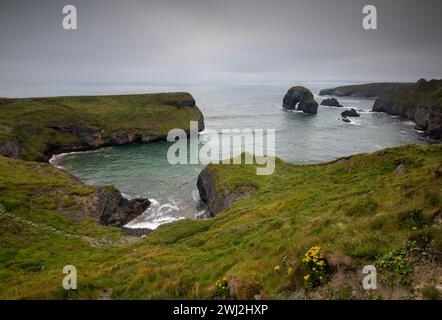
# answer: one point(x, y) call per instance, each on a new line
point(301, 99)
point(350, 113)
point(331, 102)
point(110, 208)
point(346, 119)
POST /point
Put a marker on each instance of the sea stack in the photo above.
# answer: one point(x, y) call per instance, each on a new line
point(350, 113)
point(331, 102)
point(301, 99)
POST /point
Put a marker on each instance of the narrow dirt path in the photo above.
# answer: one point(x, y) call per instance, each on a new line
point(95, 242)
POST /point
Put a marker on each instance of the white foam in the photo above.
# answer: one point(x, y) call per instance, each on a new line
point(154, 223)
point(128, 197)
point(354, 122)
point(167, 207)
point(196, 195)
point(57, 157)
point(153, 202)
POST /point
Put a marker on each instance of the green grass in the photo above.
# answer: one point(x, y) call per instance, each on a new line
point(360, 208)
point(41, 125)
point(430, 91)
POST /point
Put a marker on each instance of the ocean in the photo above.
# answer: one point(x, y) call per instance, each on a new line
point(142, 170)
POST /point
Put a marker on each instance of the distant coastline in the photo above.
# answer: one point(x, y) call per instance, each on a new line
point(420, 102)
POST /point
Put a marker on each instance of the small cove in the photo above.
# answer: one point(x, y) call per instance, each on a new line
point(142, 170)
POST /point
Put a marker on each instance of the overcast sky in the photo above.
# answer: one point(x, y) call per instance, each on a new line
point(218, 40)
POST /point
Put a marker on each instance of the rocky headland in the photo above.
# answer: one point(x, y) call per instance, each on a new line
point(37, 128)
point(420, 102)
point(369, 90)
point(370, 209)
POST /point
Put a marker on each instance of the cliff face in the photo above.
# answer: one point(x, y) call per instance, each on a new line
point(421, 103)
point(221, 199)
point(37, 128)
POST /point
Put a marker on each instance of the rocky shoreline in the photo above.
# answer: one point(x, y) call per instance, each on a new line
point(38, 128)
point(72, 124)
point(420, 102)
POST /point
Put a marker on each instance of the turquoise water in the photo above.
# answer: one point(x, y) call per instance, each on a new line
point(142, 170)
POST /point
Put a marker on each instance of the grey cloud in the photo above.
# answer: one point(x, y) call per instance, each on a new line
point(166, 40)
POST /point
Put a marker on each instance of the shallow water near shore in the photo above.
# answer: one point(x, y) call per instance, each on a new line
point(142, 170)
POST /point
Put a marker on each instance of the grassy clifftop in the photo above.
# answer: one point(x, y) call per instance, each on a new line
point(423, 91)
point(382, 208)
point(421, 103)
point(34, 128)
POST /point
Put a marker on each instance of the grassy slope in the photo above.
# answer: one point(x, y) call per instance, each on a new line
point(41, 228)
point(356, 208)
point(31, 120)
point(430, 91)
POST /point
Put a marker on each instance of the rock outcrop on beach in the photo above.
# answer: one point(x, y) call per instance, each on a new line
point(113, 209)
point(301, 99)
point(421, 103)
point(350, 113)
point(109, 207)
point(331, 102)
point(37, 128)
